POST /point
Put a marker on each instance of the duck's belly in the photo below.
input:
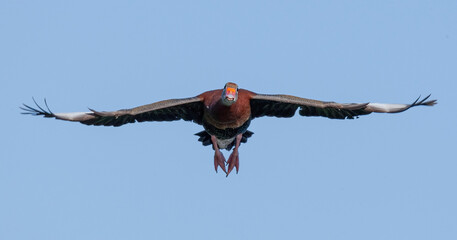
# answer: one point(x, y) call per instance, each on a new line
point(223, 143)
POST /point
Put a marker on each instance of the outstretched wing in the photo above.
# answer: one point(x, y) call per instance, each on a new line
point(188, 109)
point(286, 106)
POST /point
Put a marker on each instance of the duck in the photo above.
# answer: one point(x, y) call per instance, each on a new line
point(225, 115)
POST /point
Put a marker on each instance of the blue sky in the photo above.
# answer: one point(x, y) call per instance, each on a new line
point(378, 177)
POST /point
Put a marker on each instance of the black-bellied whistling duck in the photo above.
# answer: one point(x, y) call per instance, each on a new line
point(226, 114)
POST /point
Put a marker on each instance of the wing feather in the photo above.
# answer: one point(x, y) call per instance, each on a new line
point(188, 109)
point(286, 106)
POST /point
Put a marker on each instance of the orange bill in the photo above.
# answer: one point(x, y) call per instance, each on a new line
point(230, 91)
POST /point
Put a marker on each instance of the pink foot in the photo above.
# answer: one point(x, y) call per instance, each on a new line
point(219, 161)
point(233, 162)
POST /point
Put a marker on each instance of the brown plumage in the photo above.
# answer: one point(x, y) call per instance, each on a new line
point(226, 114)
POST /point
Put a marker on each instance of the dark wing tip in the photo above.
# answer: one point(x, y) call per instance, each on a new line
point(424, 102)
point(420, 102)
point(38, 110)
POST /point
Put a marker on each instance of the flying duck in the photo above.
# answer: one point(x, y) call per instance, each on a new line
point(225, 115)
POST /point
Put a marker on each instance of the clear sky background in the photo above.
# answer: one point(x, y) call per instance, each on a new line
point(378, 177)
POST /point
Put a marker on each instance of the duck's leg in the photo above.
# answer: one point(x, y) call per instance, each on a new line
point(234, 157)
point(219, 159)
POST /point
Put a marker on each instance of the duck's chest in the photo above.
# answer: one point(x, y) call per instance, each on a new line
point(227, 121)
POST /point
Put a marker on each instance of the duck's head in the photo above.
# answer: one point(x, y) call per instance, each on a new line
point(229, 94)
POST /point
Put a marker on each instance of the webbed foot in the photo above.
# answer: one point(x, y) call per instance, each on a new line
point(219, 161)
point(233, 162)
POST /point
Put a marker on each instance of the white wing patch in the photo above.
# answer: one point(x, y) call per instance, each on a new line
point(74, 116)
point(386, 107)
